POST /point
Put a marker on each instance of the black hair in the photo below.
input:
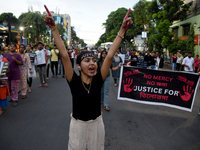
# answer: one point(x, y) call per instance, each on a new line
point(54, 45)
point(22, 45)
point(40, 43)
point(101, 55)
point(14, 45)
point(189, 52)
point(197, 55)
point(29, 45)
point(78, 60)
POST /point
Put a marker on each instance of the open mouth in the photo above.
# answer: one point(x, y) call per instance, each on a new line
point(91, 69)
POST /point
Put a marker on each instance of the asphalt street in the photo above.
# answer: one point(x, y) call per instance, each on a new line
point(41, 122)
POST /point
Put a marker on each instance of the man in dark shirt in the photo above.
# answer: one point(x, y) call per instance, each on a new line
point(153, 61)
point(134, 59)
point(147, 58)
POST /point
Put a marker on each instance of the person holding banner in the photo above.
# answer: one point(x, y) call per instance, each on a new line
point(86, 127)
point(117, 61)
point(105, 87)
point(4, 90)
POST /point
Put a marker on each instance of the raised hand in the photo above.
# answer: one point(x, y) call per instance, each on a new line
point(187, 93)
point(127, 21)
point(127, 85)
point(49, 19)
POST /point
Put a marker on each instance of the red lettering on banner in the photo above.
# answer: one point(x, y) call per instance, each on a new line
point(150, 82)
point(184, 79)
point(162, 78)
point(153, 96)
point(161, 84)
point(128, 73)
point(147, 76)
point(136, 71)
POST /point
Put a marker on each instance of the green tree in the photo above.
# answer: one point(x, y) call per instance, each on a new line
point(76, 38)
point(81, 41)
point(14, 21)
point(39, 27)
point(102, 39)
point(169, 11)
point(113, 25)
point(190, 40)
point(140, 13)
point(61, 30)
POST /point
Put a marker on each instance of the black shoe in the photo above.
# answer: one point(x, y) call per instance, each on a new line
point(14, 104)
point(10, 100)
point(63, 76)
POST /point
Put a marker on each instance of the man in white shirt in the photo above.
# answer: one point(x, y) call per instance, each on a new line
point(188, 62)
point(41, 61)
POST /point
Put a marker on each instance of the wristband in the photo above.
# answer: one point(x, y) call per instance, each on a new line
point(120, 35)
point(53, 28)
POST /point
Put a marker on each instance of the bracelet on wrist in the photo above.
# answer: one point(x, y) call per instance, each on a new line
point(120, 35)
point(52, 29)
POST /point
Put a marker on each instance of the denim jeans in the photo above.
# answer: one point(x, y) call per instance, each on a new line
point(105, 92)
point(173, 66)
point(153, 67)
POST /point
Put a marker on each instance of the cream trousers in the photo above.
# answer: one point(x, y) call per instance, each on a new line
point(88, 135)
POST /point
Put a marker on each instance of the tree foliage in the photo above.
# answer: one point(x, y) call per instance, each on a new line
point(190, 40)
point(102, 39)
point(113, 24)
point(76, 38)
point(39, 27)
point(169, 11)
point(13, 21)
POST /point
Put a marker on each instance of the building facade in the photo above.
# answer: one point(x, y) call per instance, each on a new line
point(181, 28)
point(65, 21)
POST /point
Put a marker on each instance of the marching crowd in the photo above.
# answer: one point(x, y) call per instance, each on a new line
point(92, 83)
point(29, 60)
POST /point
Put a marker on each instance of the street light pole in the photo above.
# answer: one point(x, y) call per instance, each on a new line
point(23, 28)
point(5, 23)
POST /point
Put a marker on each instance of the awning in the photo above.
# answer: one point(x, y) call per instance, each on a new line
point(174, 27)
point(186, 24)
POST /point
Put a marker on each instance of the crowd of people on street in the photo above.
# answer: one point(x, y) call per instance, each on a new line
point(92, 83)
point(29, 60)
point(155, 61)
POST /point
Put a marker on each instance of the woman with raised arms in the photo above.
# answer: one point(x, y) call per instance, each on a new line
point(86, 126)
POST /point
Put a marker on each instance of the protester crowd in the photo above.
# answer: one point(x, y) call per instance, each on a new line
point(23, 66)
point(29, 60)
point(155, 61)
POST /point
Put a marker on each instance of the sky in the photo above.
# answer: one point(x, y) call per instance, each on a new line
point(87, 16)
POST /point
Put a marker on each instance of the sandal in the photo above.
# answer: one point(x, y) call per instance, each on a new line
point(106, 108)
point(1, 112)
point(23, 96)
point(46, 85)
point(29, 90)
point(40, 85)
